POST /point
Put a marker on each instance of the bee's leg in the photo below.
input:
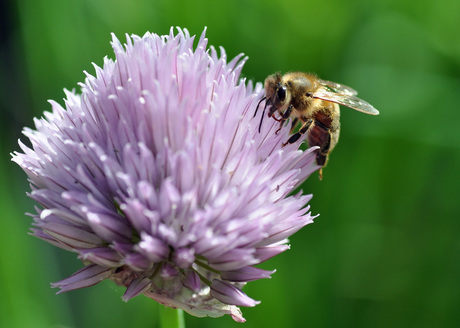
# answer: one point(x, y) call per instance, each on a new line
point(327, 145)
point(296, 136)
point(320, 174)
point(321, 155)
point(281, 125)
point(293, 124)
point(283, 118)
point(287, 113)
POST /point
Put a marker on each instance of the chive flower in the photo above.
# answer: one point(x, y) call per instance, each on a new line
point(158, 178)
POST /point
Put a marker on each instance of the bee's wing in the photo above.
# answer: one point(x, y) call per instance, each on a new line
point(346, 99)
point(339, 88)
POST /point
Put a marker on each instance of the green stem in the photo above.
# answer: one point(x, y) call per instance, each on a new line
point(171, 318)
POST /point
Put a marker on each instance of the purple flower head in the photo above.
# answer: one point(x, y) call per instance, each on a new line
point(158, 178)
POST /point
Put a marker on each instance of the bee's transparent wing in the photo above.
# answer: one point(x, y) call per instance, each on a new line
point(339, 88)
point(346, 99)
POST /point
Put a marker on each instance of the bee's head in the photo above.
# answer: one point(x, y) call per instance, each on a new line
point(276, 93)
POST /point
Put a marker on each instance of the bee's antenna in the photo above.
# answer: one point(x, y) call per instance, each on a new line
point(263, 114)
point(257, 108)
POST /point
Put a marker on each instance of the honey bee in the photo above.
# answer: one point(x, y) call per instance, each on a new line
point(305, 98)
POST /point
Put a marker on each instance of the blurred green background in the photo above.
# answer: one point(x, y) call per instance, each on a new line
point(385, 251)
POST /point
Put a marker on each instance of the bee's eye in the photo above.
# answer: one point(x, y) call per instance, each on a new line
point(281, 93)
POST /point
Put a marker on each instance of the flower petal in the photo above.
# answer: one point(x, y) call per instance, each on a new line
point(137, 287)
point(246, 274)
point(103, 256)
point(153, 248)
point(71, 235)
point(229, 294)
point(192, 280)
point(88, 276)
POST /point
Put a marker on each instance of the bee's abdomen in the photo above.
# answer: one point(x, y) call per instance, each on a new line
point(319, 136)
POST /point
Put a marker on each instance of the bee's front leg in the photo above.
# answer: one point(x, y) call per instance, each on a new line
point(281, 126)
point(287, 113)
point(283, 118)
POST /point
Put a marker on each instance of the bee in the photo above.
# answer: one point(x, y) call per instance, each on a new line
point(303, 97)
